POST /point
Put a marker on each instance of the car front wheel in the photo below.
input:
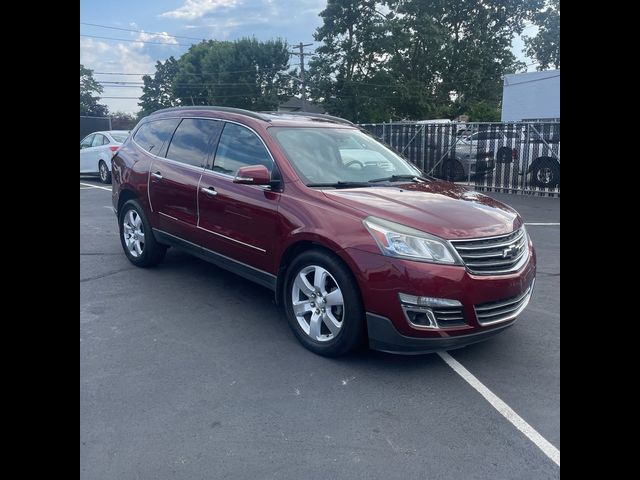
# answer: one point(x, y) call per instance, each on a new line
point(323, 304)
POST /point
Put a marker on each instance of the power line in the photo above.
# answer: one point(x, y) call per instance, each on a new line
point(137, 41)
point(254, 70)
point(142, 31)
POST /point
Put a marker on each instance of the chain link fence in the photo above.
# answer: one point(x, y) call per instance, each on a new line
point(521, 157)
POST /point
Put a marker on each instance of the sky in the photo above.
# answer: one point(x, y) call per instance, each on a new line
point(123, 56)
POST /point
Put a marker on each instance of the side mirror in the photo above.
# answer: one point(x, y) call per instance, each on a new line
point(253, 175)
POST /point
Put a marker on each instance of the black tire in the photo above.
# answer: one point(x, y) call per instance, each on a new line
point(546, 173)
point(104, 172)
point(504, 155)
point(453, 171)
point(352, 332)
point(152, 251)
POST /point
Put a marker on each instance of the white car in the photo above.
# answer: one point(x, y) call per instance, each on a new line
point(96, 151)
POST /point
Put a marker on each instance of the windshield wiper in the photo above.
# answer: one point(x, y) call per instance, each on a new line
point(340, 184)
point(395, 178)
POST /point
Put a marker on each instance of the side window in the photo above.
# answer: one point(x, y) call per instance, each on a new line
point(105, 140)
point(97, 140)
point(239, 147)
point(193, 140)
point(154, 136)
point(86, 143)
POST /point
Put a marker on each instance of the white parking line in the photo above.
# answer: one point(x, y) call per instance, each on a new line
point(94, 186)
point(537, 224)
point(505, 410)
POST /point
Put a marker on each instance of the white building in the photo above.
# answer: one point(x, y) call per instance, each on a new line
point(531, 96)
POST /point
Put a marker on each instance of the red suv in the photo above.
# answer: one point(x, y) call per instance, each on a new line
point(356, 242)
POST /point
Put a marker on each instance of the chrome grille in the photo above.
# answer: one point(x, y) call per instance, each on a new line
point(449, 316)
point(494, 255)
point(503, 310)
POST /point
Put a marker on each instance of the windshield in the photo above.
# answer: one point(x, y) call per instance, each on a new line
point(337, 155)
point(120, 137)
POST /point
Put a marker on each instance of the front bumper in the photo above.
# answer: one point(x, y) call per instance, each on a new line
point(383, 336)
point(382, 279)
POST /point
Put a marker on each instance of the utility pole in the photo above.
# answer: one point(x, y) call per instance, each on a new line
point(301, 53)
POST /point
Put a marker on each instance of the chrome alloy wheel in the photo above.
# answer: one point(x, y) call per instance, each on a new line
point(544, 175)
point(103, 171)
point(317, 303)
point(133, 233)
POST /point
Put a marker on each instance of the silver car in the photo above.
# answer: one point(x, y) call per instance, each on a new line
point(96, 151)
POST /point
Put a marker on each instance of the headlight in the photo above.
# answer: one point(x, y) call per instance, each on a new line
point(396, 240)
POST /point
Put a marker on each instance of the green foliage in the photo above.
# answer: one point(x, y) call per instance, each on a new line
point(484, 112)
point(246, 73)
point(157, 92)
point(415, 59)
point(545, 46)
point(89, 88)
point(123, 121)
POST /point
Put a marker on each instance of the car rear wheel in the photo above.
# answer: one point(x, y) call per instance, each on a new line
point(105, 174)
point(546, 173)
point(323, 304)
point(453, 170)
point(136, 236)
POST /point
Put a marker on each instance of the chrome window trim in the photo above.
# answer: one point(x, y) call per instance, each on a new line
point(203, 118)
point(232, 239)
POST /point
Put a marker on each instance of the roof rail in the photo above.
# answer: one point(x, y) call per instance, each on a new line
point(316, 116)
point(214, 108)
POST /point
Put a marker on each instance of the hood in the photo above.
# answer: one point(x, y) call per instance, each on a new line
point(440, 208)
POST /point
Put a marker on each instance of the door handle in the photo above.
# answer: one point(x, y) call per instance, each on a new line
point(209, 191)
point(157, 175)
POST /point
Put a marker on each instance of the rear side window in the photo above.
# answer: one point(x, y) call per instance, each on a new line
point(154, 136)
point(86, 143)
point(239, 147)
point(97, 140)
point(193, 140)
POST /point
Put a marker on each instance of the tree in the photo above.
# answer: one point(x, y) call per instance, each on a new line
point(460, 49)
point(348, 74)
point(89, 88)
point(157, 91)
point(545, 46)
point(415, 59)
point(246, 73)
point(122, 121)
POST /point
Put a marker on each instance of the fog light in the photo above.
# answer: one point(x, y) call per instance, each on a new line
point(422, 318)
point(428, 301)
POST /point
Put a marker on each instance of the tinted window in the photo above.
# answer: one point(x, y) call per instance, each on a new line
point(86, 143)
point(97, 140)
point(192, 141)
point(154, 136)
point(239, 147)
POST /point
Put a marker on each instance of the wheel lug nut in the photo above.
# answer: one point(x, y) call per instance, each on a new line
point(317, 311)
point(313, 304)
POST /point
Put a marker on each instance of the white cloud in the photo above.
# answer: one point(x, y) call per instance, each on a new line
point(193, 9)
point(162, 37)
point(103, 57)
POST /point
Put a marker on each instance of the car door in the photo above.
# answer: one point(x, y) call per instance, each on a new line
point(173, 180)
point(86, 165)
point(237, 220)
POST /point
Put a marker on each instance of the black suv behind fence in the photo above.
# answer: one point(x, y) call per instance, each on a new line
point(510, 157)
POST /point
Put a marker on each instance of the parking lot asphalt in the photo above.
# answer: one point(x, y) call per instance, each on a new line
point(189, 371)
